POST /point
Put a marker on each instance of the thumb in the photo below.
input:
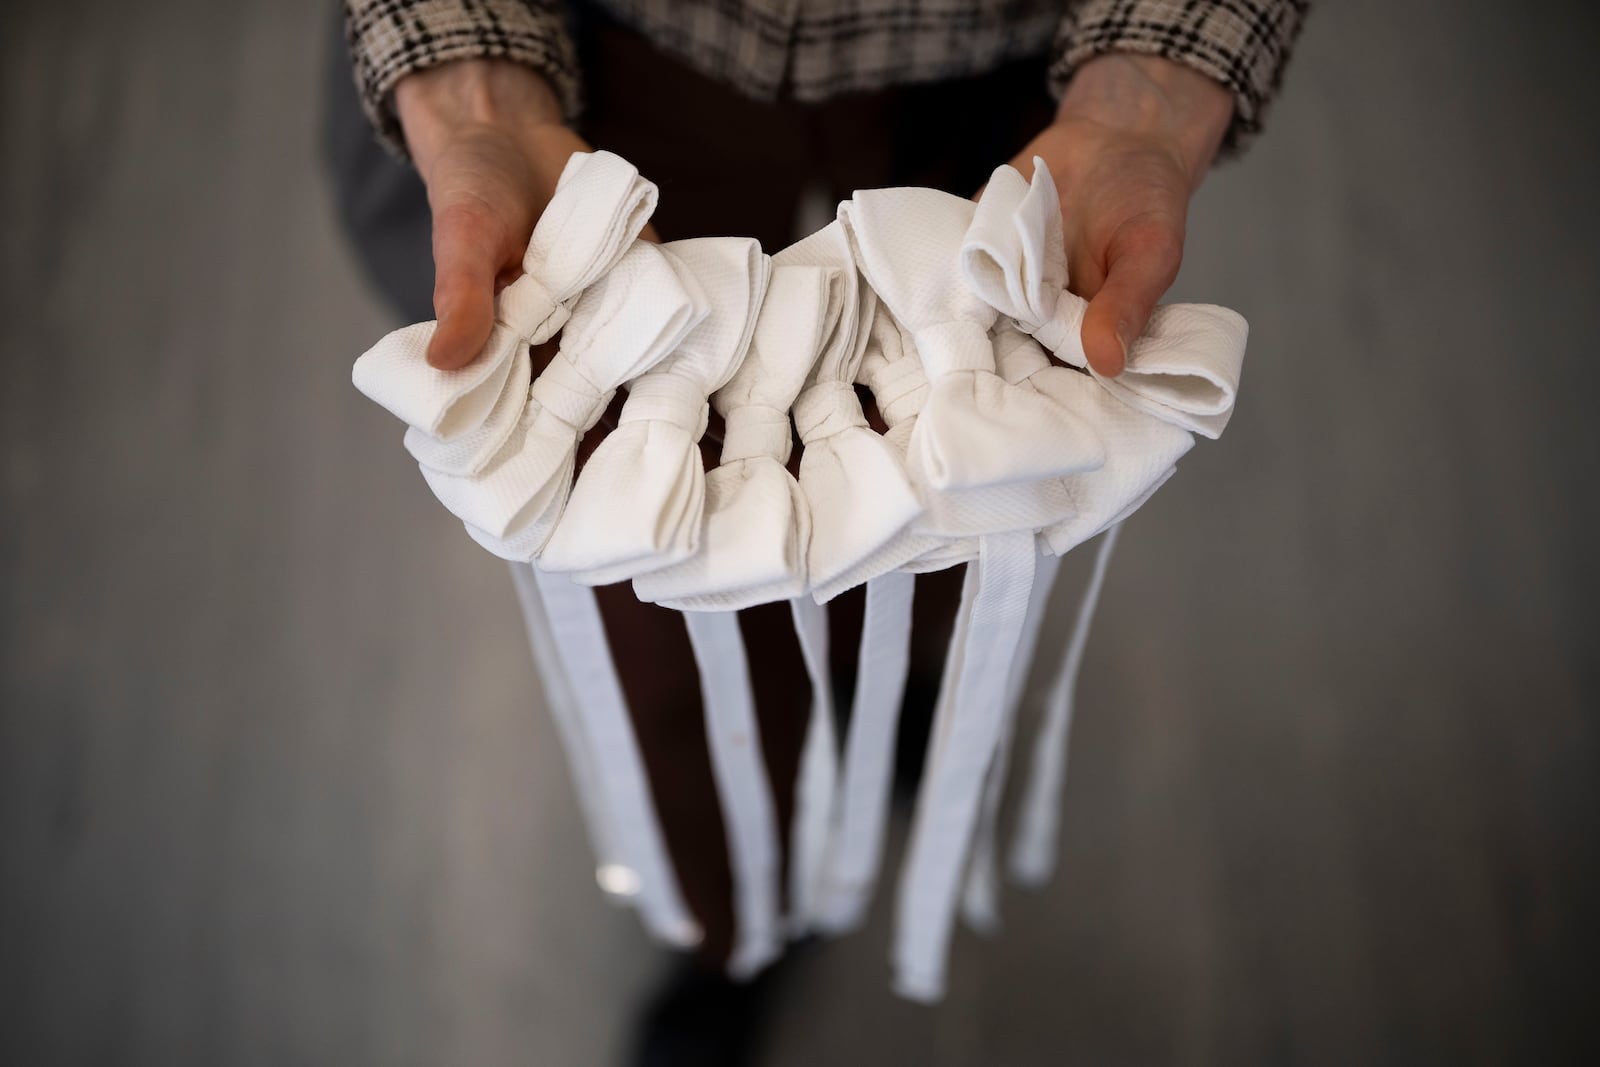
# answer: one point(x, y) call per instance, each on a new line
point(1141, 265)
point(466, 258)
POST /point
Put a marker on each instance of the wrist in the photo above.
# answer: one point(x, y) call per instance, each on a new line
point(1154, 98)
point(439, 104)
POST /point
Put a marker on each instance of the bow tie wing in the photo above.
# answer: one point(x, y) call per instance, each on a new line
point(600, 205)
point(1185, 368)
point(470, 453)
point(854, 484)
point(1140, 449)
point(851, 305)
point(1014, 258)
point(444, 404)
point(976, 430)
point(633, 318)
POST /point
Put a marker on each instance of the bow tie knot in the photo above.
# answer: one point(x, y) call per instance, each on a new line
point(953, 346)
point(531, 310)
point(667, 398)
point(562, 390)
point(825, 409)
point(756, 430)
point(1062, 333)
point(899, 387)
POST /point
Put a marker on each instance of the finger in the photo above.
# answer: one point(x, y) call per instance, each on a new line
point(466, 259)
point(1141, 264)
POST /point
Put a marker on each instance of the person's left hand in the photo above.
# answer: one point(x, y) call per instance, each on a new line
point(1132, 139)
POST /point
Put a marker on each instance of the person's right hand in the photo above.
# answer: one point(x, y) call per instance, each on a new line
point(487, 138)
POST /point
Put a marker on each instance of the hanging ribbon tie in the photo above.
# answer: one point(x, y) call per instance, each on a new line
point(1184, 368)
point(639, 503)
point(758, 525)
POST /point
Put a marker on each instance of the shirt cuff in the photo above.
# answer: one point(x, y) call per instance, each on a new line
point(1243, 44)
point(389, 39)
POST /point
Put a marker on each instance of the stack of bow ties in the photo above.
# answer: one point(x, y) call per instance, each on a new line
point(996, 456)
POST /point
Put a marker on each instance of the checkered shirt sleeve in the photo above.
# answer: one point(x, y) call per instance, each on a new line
point(815, 49)
point(389, 39)
point(1243, 44)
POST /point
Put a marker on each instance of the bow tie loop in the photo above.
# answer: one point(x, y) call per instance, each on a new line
point(755, 431)
point(900, 388)
point(562, 390)
point(666, 398)
point(825, 409)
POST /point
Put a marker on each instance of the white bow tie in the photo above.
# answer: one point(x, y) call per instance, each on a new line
point(639, 502)
point(974, 429)
point(612, 335)
point(1184, 368)
point(855, 485)
point(599, 207)
point(758, 525)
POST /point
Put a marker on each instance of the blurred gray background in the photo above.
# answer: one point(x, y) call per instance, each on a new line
point(276, 785)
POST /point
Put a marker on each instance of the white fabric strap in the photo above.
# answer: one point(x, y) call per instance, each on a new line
point(639, 503)
point(743, 788)
point(861, 809)
point(980, 902)
point(819, 770)
point(959, 758)
point(1033, 850)
point(758, 525)
point(613, 875)
point(580, 638)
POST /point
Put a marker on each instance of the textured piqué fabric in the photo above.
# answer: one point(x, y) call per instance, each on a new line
point(812, 50)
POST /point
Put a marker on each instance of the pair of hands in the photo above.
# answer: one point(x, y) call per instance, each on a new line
point(1130, 143)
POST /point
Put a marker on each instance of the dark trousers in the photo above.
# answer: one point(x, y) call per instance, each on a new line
point(725, 165)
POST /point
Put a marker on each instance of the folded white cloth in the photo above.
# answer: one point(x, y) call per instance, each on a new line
point(974, 429)
point(854, 483)
point(1184, 368)
point(598, 209)
point(639, 503)
point(758, 524)
point(623, 324)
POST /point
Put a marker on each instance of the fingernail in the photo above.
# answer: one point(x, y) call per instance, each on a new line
point(1122, 339)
